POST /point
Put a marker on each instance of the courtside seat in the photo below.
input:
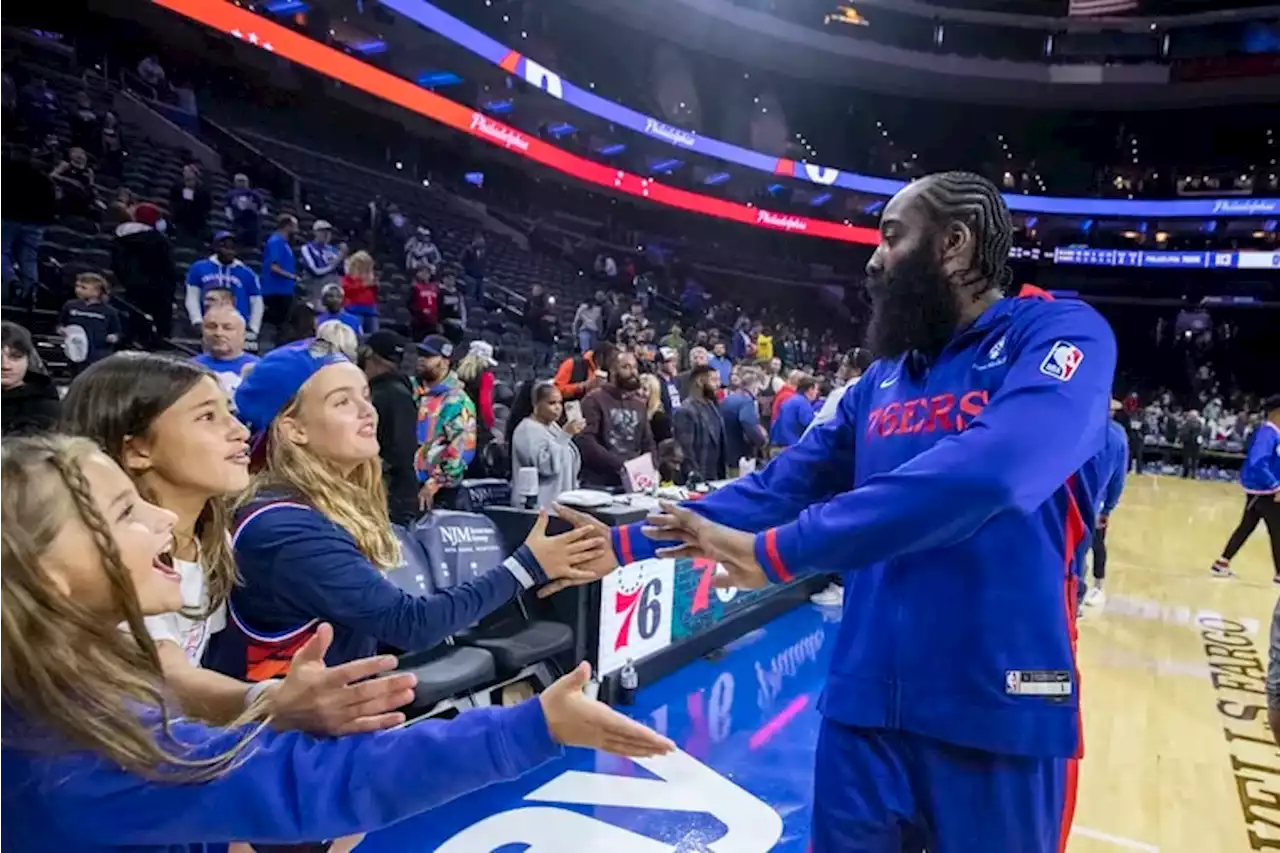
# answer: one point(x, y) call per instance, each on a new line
point(447, 671)
point(516, 642)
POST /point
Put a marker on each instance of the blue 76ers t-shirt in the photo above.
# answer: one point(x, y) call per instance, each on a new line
point(235, 277)
point(229, 371)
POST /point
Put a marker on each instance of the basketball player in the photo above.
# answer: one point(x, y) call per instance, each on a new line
point(1260, 476)
point(853, 364)
point(948, 490)
point(1115, 465)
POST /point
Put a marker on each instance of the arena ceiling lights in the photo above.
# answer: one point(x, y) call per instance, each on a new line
point(515, 63)
point(253, 29)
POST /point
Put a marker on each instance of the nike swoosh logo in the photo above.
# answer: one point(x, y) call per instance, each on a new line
point(889, 382)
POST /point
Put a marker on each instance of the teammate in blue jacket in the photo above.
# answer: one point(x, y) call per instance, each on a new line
point(1260, 476)
point(94, 756)
point(954, 490)
point(1115, 463)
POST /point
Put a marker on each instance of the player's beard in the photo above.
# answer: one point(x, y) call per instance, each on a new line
point(913, 307)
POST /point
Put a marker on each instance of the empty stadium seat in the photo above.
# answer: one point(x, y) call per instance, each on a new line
point(515, 641)
point(447, 671)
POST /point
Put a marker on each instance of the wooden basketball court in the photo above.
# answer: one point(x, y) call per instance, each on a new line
point(1178, 754)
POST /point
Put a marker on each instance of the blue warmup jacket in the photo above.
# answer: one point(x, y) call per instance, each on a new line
point(298, 568)
point(289, 786)
point(1116, 466)
point(1260, 474)
point(955, 498)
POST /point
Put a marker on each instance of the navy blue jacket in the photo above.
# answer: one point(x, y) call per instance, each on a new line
point(288, 787)
point(955, 498)
point(1116, 458)
point(298, 568)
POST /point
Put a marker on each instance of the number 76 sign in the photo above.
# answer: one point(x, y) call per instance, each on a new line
point(635, 613)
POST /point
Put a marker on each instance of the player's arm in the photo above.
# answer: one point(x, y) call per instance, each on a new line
point(1262, 477)
point(816, 467)
point(1036, 432)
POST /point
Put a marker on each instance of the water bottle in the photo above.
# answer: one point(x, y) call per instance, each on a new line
point(628, 681)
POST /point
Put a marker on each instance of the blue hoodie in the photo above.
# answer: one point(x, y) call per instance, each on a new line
point(955, 499)
point(1260, 474)
point(288, 787)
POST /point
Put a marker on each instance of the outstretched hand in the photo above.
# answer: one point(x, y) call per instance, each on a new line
point(339, 700)
point(600, 563)
point(576, 720)
point(700, 538)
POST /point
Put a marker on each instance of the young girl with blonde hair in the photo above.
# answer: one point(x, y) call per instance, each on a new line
point(96, 757)
point(360, 289)
point(312, 538)
point(168, 424)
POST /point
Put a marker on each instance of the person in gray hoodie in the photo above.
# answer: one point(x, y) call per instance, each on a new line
point(537, 441)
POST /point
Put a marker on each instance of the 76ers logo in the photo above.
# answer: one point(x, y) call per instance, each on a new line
point(641, 605)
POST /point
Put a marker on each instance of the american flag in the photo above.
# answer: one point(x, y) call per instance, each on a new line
point(1100, 8)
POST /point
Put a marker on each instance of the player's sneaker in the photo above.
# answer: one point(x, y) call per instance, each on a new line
point(832, 596)
point(1095, 597)
point(1221, 569)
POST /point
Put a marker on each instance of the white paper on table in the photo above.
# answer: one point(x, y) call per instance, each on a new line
point(641, 473)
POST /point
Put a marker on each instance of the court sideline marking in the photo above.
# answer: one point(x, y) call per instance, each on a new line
point(1117, 840)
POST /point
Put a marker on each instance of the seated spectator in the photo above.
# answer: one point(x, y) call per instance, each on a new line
point(795, 414)
point(617, 425)
point(190, 203)
point(360, 289)
point(110, 145)
point(121, 209)
point(391, 392)
point(340, 336)
point(222, 334)
point(85, 129)
point(580, 374)
point(674, 468)
point(29, 206)
point(424, 306)
point(142, 260)
point(537, 441)
point(245, 208)
point(332, 301)
point(476, 373)
point(421, 254)
point(224, 271)
point(29, 401)
point(321, 259)
point(699, 426)
point(73, 178)
point(89, 326)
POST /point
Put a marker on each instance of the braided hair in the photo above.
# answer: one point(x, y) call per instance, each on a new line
point(974, 201)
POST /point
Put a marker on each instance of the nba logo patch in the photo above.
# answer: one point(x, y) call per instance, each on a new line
point(1063, 361)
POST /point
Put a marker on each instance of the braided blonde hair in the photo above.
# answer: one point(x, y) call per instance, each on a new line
point(70, 672)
